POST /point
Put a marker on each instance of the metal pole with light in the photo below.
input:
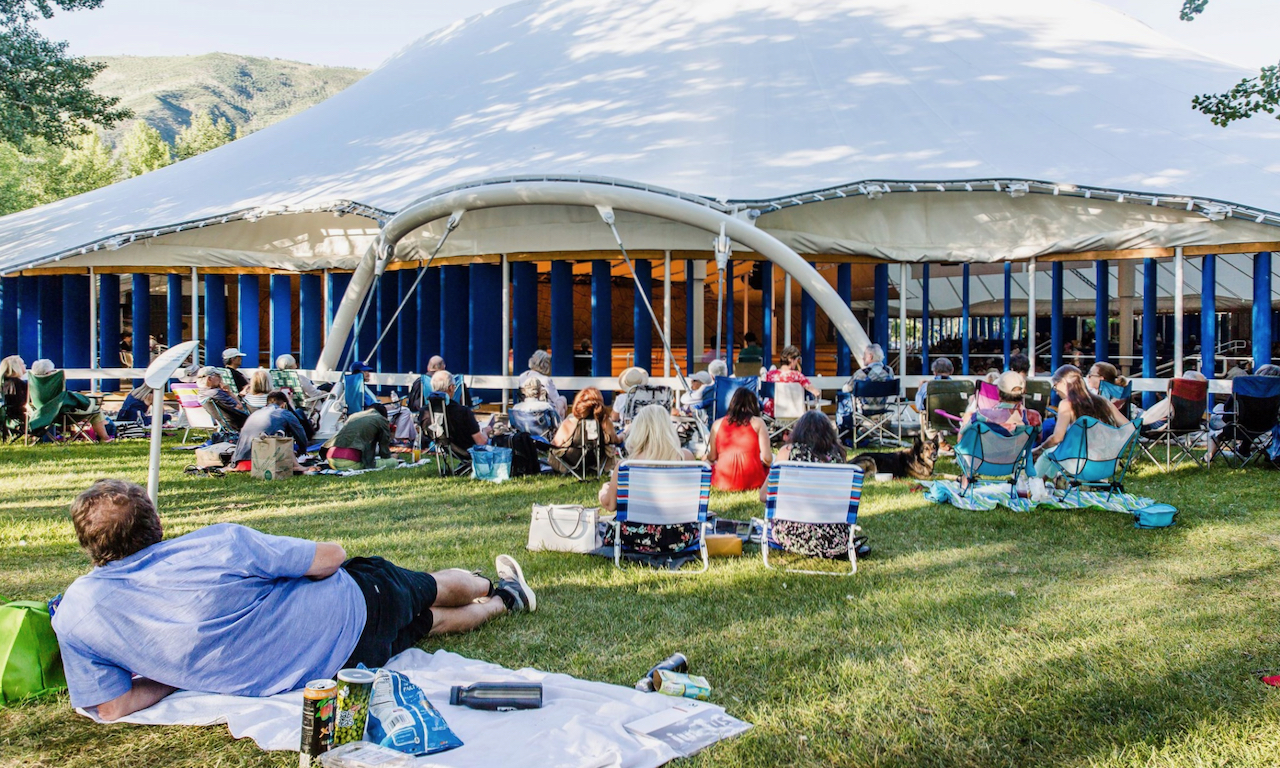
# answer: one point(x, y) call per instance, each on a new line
point(157, 375)
point(723, 247)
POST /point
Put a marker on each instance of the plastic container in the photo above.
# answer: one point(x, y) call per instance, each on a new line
point(491, 463)
point(362, 754)
point(883, 477)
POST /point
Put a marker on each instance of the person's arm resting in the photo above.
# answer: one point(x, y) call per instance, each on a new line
point(329, 557)
point(141, 695)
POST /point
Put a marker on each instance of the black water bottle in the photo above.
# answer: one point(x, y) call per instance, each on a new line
point(497, 697)
point(674, 663)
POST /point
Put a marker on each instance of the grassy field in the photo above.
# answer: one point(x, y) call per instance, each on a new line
point(969, 638)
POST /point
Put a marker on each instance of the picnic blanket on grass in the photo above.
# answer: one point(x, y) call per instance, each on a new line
point(581, 723)
point(989, 495)
point(353, 472)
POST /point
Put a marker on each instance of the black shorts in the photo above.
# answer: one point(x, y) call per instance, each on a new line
point(398, 607)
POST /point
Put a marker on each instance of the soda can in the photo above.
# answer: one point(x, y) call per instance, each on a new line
point(675, 662)
point(319, 704)
point(354, 687)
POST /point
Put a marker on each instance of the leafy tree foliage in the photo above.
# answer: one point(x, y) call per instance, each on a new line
point(205, 132)
point(41, 172)
point(44, 93)
point(1247, 98)
point(144, 149)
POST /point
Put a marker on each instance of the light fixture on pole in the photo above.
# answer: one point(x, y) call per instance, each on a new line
point(723, 247)
point(157, 375)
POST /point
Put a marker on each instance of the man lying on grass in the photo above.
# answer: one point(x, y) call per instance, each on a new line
point(227, 609)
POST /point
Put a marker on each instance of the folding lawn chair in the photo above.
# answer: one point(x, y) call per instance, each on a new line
point(192, 409)
point(586, 452)
point(1185, 425)
point(1121, 397)
point(645, 395)
point(537, 422)
point(991, 450)
point(866, 412)
point(986, 395)
point(355, 393)
point(663, 493)
point(1094, 454)
point(788, 407)
point(224, 421)
point(722, 392)
point(945, 400)
point(287, 380)
point(812, 493)
point(1255, 412)
point(51, 406)
point(254, 402)
point(1036, 395)
point(450, 460)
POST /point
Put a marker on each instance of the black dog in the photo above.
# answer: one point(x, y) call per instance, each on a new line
point(915, 462)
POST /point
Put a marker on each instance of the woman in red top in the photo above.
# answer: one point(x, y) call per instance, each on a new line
point(788, 372)
point(740, 452)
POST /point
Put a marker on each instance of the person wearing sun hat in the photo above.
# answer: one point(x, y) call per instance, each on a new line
point(231, 359)
point(629, 379)
point(1010, 411)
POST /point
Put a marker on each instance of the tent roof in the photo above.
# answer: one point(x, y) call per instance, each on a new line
point(733, 100)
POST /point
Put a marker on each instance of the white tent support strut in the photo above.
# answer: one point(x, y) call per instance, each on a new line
point(786, 311)
point(1031, 316)
point(195, 315)
point(904, 271)
point(1179, 266)
point(666, 311)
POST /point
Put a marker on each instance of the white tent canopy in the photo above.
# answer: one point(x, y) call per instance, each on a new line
point(1015, 110)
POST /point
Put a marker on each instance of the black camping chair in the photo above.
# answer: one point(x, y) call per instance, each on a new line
point(586, 454)
point(1254, 413)
point(1184, 427)
point(450, 460)
point(945, 400)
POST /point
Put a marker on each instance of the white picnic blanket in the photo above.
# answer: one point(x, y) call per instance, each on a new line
point(581, 723)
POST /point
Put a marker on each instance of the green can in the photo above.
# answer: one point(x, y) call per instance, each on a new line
point(354, 688)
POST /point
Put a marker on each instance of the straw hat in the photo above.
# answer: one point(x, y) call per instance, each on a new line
point(633, 377)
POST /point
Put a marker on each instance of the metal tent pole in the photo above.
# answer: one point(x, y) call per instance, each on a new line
point(1031, 316)
point(1179, 265)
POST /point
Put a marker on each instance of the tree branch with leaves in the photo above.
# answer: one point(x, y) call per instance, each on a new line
point(1247, 98)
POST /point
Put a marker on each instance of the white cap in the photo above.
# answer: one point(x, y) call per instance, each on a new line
point(231, 352)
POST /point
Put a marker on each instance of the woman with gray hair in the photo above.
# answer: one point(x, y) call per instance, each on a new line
point(540, 371)
point(287, 362)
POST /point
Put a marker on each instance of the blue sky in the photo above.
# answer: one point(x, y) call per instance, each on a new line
point(364, 34)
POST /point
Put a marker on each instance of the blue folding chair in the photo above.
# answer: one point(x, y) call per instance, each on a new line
point(1122, 397)
point(993, 450)
point(1094, 454)
point(867, 411)
point(723, 389)
point(663, 493)
point(803, 492)
point(1254, 415)
point(355, 393)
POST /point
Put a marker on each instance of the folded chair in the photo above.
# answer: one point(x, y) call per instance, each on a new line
point(586, 454)
point(435, 425)
point(788, 407)
point(991, 450)
point(52, 406)
point(813, 493)
point(945, 400)
point(192, 409)
point(663, 493)
point(1255, 412)
point(1185, 425)
point(1094, 454)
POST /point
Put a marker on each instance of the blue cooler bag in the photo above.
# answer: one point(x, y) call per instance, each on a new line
point(491, 463)
point(1154, 516)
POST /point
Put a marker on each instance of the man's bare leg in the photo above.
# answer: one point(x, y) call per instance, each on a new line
point(456, 588)
point(465, 618)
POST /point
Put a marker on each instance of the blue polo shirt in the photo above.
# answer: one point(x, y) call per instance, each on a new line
point(224, 609)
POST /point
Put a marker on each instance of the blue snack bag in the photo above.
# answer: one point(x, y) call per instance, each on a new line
point(401, 718)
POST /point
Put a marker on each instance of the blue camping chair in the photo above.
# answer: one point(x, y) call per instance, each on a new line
point(663, 493)
point(813, 493)
point(992, 450)
point(1121, 396)
point(355, 393)
point(1094, 454)
point(874, 419)
point(723, 389)
point(1250, 424)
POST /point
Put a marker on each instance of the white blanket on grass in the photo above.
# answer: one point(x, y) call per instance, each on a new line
point(581, 723)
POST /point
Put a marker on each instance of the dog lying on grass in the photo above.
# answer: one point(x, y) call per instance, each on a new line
point(915, 462)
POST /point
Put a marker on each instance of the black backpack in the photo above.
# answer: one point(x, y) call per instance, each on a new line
point(524, 453)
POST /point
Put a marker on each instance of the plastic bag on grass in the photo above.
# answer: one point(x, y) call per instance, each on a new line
point(401, 717)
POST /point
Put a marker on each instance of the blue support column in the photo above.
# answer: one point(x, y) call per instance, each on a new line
point(249, 330)
point(562, 346)
point(428, 317)
point(881, 283)
point(8, 316)
point(75, 327)
point(173, 315)
point(641, 323)
point(406, 330)
point(214, 307)
point(1150, 324)
point(1262, 316)
point(601, 318)
point(766, 306)
point(486, 319)
point(1208, 313)
point(1056, 342)
point(1102, 312)
point(141, 322)
point(728, 315)
point(369, 329)
point(388, 355)
point(109, 328)
point(966, 324)
point(310, 320)
point(29, 318)
point(455, 291)
point(50, 311)
point(844, 287)
point(337, 287)
point(524, 317)
point(281, 316)
point(1006, 328)
point(924, 320)
point(808, 332)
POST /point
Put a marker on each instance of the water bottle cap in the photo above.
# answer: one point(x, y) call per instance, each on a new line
point(455, 695)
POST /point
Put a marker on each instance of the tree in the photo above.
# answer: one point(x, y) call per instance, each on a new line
point(144, 149)
point(205, 132)
point(1247, 98)
point(85, 166)
point(44, 93)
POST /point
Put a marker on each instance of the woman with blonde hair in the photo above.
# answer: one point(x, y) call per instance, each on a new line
point(14, 389)
point(651, 437)
point(540, 372)
point(255, 393)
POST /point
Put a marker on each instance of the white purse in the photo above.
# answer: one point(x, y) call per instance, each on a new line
point(563, 528)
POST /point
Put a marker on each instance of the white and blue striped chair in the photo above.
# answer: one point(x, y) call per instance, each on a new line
point(813, 493)
point(663, 493)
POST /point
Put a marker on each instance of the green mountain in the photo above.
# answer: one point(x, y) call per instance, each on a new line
point(250, 91)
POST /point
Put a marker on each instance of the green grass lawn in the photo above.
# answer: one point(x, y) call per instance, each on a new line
point(969, 638)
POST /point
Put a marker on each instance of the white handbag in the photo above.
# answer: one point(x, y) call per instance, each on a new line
point(563, 528)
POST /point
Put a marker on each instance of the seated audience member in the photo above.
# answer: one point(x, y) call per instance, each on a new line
point(992, 375)
point(628, 380)
point(740, 453)
point(273, 418)
point(219, 609)
point(751, 350)
point(190, 373)
point(13, 387)
point(366, 371)
point(873, 369)
point(813, 439)
point(364, 442)
point(74, 404)
point(942, 370)
point(231, 360)
point(540, 371)
point(1011, 411)
point(436, 363)
point(652, 437)
point(255, 395)
point(212, 389)
point(1228, 435)
point(1240, 368)
point(464, 431)
point(137, 406)
point(717, 368)
point(1021, 365)
point(788, 372)
point(589, 404)
point(1075, 401)
point(309, 389)
point(699, 390)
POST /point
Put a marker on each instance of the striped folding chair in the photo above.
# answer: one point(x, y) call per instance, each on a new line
point(663, 493)
point(813, 493)
point(192, 409)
